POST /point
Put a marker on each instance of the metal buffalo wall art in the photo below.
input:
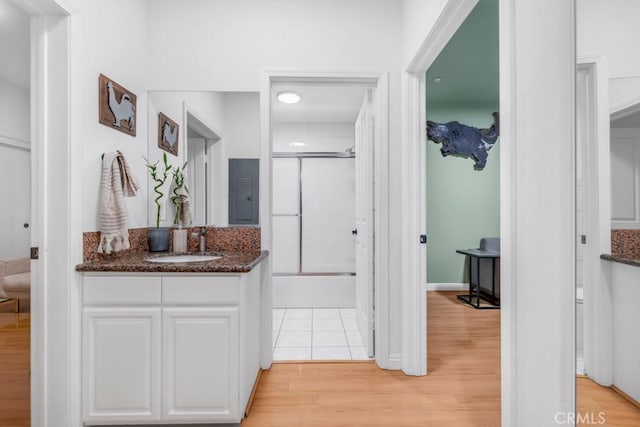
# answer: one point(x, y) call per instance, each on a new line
point(465, 141)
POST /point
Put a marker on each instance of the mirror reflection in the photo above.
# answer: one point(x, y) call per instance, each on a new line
point(607, 213)
point(201, 132)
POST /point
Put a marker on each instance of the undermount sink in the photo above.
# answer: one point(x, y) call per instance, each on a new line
point(183, 258)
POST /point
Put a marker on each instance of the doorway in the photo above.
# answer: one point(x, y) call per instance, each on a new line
point(322, 217)
point(15, 217)
point(318, 284)
point(203, 162)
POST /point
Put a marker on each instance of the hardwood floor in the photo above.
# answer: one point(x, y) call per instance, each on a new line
point(593, 399)
point(14, 369)
point(462, 388)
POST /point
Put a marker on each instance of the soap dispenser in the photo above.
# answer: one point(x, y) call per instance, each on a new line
point(203, 239)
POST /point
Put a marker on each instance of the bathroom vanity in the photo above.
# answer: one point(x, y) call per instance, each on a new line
point(166, 343)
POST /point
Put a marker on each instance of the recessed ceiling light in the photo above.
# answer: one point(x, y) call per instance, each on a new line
point(288, 97)
point(437, 79)
point(297, 144)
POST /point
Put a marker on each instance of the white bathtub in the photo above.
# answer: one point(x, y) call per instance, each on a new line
point(314, 291)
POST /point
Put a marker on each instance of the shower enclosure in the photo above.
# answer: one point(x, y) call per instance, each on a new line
point(313, 225)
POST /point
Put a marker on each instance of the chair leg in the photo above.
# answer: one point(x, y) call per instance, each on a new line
point(17, 306)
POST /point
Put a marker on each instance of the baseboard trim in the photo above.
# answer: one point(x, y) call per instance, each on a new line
point(394, 362)
point(447, 286)
point(626, 396)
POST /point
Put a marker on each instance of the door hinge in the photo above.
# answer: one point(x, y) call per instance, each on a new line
point(423, 239)
point(35, 253)
point(583, 239)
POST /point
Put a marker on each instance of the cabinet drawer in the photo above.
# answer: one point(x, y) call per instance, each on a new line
point(122, 290)
point(200, 290)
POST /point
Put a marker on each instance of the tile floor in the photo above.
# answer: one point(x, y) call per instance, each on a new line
point(316, 334)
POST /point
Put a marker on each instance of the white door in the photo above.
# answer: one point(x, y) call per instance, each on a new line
point(121, 365)
point(365, 138)
point(200, 364)
point(15, 193)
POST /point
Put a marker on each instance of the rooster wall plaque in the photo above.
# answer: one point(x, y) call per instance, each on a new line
point(117, 106)
point(168, 131)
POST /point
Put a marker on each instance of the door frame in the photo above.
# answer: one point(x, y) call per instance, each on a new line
point(381, 178)
point(598, 355)
point(216, 159)
point(51, 225)
point(414, 224)
point(522, 47)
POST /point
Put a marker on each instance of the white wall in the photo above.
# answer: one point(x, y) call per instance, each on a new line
point(418, 17)
point(537, 212)
point(625, 177)
point(14, 112)
point(225, 45)
point(242, 125)
point(610, 27)
point(15, 168)
point(626, 341)
point(115, 44)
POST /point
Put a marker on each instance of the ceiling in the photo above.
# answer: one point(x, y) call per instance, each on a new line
point(320, 103)
point(14, 44)
point(468, 65)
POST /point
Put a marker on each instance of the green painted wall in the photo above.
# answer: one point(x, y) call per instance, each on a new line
point(463, 204)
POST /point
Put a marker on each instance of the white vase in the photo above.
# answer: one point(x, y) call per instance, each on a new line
point(180, 241)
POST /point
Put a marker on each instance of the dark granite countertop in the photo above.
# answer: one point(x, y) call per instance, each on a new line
point(231, 262)
point(621, 260)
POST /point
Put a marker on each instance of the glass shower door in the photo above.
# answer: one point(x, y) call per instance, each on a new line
point(328, 215)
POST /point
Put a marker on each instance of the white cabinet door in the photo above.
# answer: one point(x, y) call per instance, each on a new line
point(121, 364)
point(200, 364)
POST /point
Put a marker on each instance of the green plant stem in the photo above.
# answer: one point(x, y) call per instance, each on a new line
point(178, 178)
point(153, 171)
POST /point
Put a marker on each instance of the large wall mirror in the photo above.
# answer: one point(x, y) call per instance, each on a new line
point(607, 213)
point(200, 131)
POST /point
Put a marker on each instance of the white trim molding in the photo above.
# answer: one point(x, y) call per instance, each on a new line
point(537, 212)
point(452, 16)
point(414, 308)
point(381, 178)
point(54, 305)
point(598, 317)
point(529, 217)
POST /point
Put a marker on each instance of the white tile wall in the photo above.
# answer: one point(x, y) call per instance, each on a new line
point(319, 137)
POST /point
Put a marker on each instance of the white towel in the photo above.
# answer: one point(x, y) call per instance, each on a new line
point(116, 184)
point(182, 197)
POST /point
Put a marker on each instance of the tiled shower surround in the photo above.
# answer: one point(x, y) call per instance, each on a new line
point(219, 239)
